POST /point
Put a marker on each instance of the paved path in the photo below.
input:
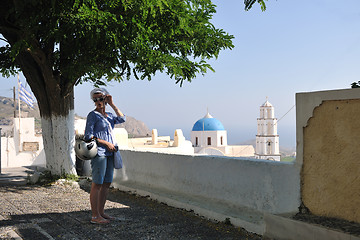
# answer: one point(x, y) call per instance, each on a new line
point(62, 211)
point(16, 175)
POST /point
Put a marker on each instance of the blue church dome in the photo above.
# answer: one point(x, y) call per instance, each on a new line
point(208, 123)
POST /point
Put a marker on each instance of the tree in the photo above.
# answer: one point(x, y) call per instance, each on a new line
point(59, 44)
point(355, 84)
point(250, 3)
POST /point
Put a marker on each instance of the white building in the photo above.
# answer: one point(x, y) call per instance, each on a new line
point(208, 136)
point(208, 132)
point(267, 139)
point(155, 143)
point(161, 144)
point(25, 148)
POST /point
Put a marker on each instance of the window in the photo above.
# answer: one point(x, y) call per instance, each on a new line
point(196, 141)
point(221, 140)
point(269, 148)
point(209, 140)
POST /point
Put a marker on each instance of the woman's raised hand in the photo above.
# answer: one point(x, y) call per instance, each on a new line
point(109, 99)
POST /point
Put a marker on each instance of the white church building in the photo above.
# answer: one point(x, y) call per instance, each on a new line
point(209, 137)
point(267, 139)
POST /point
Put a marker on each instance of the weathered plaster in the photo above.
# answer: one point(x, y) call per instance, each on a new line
point(328, 136)
point(305, 105)
point(331, 166)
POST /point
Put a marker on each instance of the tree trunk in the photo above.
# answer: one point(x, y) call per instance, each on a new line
point(58, 136)
point(55, 98)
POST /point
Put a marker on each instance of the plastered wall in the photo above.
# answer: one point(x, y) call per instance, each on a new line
point(330, 153)
point(261, 185)
point(12, 152)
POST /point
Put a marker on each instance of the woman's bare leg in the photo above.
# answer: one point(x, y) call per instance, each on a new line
point(102, 199)
point(96, 202)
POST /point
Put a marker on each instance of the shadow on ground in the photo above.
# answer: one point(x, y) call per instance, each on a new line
point(63, 212)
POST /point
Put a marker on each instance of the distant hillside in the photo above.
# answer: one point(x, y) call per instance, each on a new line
point(7, 111)
point(134, 127)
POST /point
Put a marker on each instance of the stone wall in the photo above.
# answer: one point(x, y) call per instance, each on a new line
point(329, 150)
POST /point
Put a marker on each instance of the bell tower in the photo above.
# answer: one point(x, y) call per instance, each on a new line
point(267, 139)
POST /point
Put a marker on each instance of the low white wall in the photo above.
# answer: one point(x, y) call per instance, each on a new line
point(12, 152)
point(11, 157)
point(262, 185)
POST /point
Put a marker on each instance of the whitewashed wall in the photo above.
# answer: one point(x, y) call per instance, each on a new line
point(12, 154)
point(261, 185)
point(203, 138)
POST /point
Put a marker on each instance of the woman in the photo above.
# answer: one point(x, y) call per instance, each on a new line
point(99, 125)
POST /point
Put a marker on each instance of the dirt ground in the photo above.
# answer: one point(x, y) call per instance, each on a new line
point(352, 228)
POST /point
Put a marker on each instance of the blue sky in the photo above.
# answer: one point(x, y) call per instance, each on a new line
point(294, 46)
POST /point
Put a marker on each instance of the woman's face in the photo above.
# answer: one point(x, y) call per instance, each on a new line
point(100, 100)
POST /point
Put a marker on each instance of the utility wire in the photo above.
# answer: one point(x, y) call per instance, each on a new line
point(285, 113)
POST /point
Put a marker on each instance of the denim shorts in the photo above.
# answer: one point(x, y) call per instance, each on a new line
point(102, 169)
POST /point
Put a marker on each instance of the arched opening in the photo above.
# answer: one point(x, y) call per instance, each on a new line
point(268, 147)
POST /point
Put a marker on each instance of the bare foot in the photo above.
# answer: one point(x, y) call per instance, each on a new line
point(107, 216)
point(99, 220)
